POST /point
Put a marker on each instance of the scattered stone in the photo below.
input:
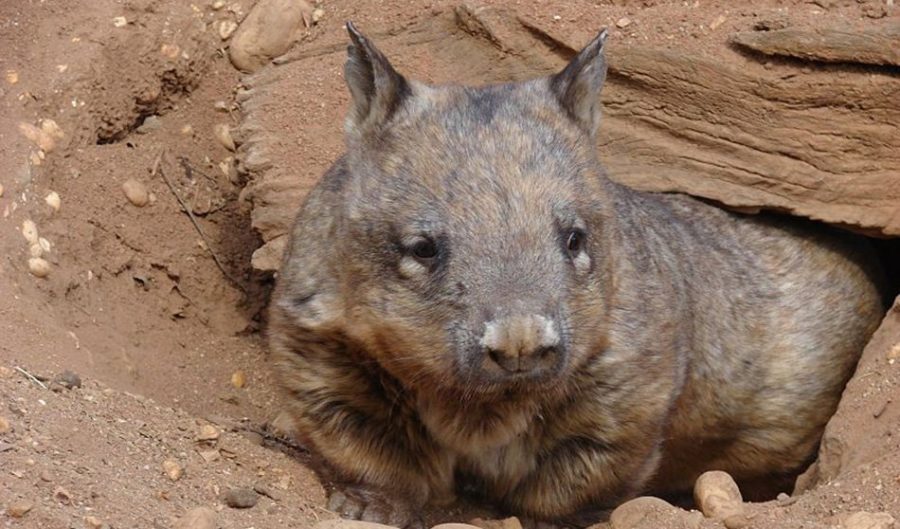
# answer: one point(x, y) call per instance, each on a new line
point(238, 379)
point(44, 244)
point(12, 76)
point(150, 124)
point(20, 508)
point(35, 250)
point(30, 231)
point(172, 469)
point(718, 496)
point(270, 28)
point(208, 455)
point(35, 135)
point(120, 22)
point(38, 267)
point(197, 518)
point(62, 495)
point(68, 379)
point(52, 200)
point(187, 130)
point(868, 520)
point(136, 192)
point(507, 523)
point(717, 22)
point(893, 354)
point(170, 50)
point(93, 522)
point(223, 134)
point(51, 129)
point(218, 4)
point(317, 15)
point(623, 22)
point(241, 498)
point(5, 427)
point(208, 433)
point(1, 190)
point(640, 512)
point(226, 28)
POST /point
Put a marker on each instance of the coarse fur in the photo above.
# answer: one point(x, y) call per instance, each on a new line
point(467, 298)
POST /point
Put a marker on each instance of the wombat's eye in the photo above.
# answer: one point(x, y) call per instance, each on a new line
point(575, 242)
point(424, 250)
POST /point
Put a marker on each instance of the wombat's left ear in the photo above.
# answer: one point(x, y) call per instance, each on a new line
point(375, 85)
point(578, 86)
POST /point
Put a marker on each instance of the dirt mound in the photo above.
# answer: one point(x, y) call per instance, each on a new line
point(156, 302)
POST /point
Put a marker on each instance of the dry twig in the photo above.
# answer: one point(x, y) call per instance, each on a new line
point(158, 169)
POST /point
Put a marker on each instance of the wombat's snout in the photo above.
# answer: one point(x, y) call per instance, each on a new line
point(521, 345)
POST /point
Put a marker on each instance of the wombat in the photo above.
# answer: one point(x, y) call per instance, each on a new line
point(468, 301)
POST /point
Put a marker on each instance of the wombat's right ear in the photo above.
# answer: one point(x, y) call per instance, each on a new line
point(578, 86)
point(376, 86)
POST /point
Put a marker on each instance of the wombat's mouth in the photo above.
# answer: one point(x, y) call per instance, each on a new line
point(485, 377)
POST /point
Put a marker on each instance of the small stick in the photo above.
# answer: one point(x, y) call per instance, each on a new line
point(157, 168)
point(32, 377)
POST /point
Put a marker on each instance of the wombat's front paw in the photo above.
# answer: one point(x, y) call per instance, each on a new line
point(356, 503)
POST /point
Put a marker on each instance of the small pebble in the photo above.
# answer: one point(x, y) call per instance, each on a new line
point(120, 22)
point(38, 267)
point(225, 28)
point(637, 512)
point(19, 508)
point(223, 134)
point(68, 379)
point(893, 354)
point(52, 200)
point(717, 22)
point(241, 498)
point(150, 124)
point(187, 130)
point(35, 250)
point(506, 523)
point(317, 15)
point(172, 469)
point(208, 432)
point(170, 50)
point(93, 522)
point(1, 190)
point(44, 244)
point(718, 496)
point(4, 425)
point(623, 22)
point(30, 231)
point(136, 192)
point(197, 518)
point(38, 136)
point(238, 379)
point(12, 76)
point(218, 4)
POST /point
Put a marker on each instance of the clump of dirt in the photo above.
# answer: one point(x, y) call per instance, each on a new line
point(157, 308)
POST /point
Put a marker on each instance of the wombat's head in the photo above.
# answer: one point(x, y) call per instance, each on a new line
point(470, 248)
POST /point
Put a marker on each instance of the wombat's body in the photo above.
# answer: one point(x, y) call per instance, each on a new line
point(467, 298)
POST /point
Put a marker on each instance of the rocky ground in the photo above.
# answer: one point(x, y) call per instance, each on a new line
point(132, 362)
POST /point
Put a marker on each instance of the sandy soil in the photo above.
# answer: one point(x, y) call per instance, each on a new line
point(168, 343)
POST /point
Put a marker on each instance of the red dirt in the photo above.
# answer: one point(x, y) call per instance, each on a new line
point(134, 302)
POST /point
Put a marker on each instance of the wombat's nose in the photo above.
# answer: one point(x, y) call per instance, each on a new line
point(521, 344)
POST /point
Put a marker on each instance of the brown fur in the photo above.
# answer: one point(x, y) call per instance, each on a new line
point(679, 338)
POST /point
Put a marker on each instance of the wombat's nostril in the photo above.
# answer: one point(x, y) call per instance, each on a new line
point(546, 352)
point(495, 355)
